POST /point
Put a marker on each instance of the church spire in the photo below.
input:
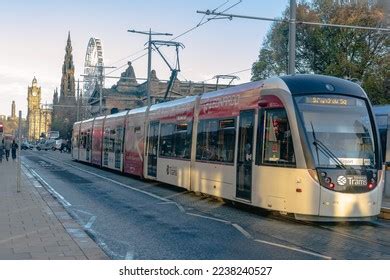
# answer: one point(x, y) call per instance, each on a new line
point(67, 91)
point(55, 97)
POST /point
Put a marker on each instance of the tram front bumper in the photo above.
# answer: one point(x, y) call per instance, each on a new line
point(350, 205)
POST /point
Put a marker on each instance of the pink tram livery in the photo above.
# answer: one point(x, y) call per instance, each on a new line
point(305, 145)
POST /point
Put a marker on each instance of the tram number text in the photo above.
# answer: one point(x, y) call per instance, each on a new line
point(238, 270)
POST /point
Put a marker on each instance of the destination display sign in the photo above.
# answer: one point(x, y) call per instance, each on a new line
point(328, 101)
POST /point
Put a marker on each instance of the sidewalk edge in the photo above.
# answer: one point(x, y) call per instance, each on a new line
point(86, 244)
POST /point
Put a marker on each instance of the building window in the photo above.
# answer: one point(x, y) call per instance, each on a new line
point(216, 140)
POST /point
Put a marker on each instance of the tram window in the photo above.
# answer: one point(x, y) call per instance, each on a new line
point(88, 140)
point(216, 140)
point(75, 141)
point(118, 139)
point(183, 135)
point(83, 142)
point(175, 140)
point(107, 140)
point(153, 139)
point(166, 140)
point(276, 147)
point(111, 144)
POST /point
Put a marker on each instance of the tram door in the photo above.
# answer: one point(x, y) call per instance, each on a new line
point(245, 155)
point(152, 149)
point(88, 146)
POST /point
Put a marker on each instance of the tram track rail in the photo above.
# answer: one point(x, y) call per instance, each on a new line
point(272, 217)
point(328, 228)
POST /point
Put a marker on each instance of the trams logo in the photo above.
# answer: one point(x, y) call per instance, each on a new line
point(355, 180)
point(341, 180)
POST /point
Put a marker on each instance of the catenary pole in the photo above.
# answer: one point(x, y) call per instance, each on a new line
point(291, 37)
point(149, 77)
point(149, 65)
point(78, 100)
point(18, 178)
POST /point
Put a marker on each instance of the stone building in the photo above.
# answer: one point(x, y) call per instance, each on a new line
point(127, 93)
point(38, 116)
point(64, 106)
point(11, 123)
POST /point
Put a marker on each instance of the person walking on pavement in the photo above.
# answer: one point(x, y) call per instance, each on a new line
point(63, 146)
point(14, 147)
point(1, 150)
point(7, 147)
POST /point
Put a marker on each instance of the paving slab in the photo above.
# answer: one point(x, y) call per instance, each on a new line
point(34, 225)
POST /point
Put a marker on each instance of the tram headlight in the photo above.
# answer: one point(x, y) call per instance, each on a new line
point(371, 184)
point(328, 180)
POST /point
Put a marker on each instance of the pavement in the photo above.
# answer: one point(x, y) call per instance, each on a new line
point(34, 225)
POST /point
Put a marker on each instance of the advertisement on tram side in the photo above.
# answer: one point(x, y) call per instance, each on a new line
point(113, 137)
point(97, 144)
point(172, 113)
point(134, 144)
point(228, 104)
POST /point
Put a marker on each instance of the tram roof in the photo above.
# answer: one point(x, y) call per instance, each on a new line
point(138, 110)
point(235, 89)
point(116, 115)
point(172, 103)
point(99, 118)
point(312, 83)
point(381, 109)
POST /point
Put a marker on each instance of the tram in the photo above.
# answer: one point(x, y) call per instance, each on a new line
point(382, 116)
point(305, 145)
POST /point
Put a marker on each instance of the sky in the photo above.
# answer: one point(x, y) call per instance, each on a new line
point(33, 37)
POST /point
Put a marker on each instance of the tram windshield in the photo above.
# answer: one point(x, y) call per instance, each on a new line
point(339, 131)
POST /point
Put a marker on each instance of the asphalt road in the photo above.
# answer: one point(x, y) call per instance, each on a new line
point(134, 219)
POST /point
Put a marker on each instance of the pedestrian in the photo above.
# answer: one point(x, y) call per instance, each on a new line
point(14, 146)
point(7, 147)
point(68, 146)
point(63, 146)
point(1, 150)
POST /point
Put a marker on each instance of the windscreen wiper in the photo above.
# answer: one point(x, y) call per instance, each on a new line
point(325, 150)
point(328, 153)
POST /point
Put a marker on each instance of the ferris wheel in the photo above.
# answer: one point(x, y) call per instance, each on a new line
point(93, 66)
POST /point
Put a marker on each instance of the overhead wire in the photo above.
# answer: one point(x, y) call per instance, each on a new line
point(182, 34)
point(232, 73)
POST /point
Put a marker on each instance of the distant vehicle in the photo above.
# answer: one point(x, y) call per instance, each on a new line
point(53, 135)
point(26, 146)
point(57, 145)
point(46, 145)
